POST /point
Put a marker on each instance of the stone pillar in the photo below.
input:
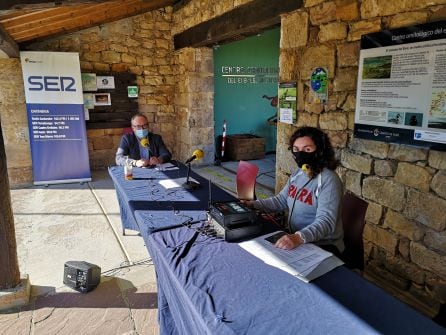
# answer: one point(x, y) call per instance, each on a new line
point(14, 122)
point(194, 103)
point(13, 291)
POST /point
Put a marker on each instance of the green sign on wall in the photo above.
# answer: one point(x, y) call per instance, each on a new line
point(132, 91)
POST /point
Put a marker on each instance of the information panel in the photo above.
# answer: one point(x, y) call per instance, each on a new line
point(54, 103)
point(287, 102)
point(401, 93)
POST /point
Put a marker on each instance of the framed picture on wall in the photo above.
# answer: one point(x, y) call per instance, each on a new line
point(89, 100)
point(105, 82)
point(102, 99)
point(89, 82)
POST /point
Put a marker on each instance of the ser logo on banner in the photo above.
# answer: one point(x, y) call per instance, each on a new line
point(51, 83)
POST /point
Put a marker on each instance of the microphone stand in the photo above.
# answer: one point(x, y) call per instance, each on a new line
point(190, 184)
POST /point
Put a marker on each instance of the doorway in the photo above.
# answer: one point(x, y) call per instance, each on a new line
point(245, 87)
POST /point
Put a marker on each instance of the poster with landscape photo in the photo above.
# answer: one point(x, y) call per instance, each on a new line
point(401, 90)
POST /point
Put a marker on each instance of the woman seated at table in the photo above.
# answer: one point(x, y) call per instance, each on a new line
point(312, 194)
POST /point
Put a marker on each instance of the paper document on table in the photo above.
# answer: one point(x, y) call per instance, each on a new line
point(306, 262)
point(174, 183)
point(166, 167)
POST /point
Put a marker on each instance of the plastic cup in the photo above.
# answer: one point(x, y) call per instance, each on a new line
point(128, 172)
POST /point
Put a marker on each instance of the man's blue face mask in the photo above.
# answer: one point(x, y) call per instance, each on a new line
point(141, 133)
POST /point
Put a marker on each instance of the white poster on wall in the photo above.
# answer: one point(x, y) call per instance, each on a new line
point(105, 82)
point(401, 95)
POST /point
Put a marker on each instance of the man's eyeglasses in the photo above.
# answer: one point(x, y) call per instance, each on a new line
point(142, 126)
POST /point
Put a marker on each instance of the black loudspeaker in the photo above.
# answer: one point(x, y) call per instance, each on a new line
point(81, 276)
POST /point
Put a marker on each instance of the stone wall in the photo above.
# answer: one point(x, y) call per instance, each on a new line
point(405, 232)
point(14, 122)
point(141, 45)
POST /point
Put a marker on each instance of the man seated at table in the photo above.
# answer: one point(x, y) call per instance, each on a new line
point(142, 147)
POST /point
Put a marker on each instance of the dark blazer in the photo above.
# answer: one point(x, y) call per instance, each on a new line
point(130, 146)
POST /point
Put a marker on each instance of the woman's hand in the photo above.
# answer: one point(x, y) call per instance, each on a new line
point(289, 241)
point(249, 203)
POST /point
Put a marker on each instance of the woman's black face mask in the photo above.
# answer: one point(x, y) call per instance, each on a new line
point(303, 157)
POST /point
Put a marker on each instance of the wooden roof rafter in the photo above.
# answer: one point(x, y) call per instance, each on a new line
point(39, 4)
point(40, 18)
point(33, 25)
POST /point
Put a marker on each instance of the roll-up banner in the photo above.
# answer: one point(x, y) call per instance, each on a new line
point(54, 103)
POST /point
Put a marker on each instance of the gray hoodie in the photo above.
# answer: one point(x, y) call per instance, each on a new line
point(317, 209)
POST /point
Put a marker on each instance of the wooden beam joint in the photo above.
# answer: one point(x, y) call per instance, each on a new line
point(8, 45)
point(247, 19)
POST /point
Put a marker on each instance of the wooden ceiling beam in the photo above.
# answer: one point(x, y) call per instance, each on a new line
point(8, 45)
point(38, 4)
point(79, 21)
point(7, 14)
point(85, 16)
point(59, 13)
point(40, 17)
point(246, 19)
point(46, 14)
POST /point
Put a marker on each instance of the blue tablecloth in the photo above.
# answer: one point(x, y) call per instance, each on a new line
point(147, 205)
point(208, 286)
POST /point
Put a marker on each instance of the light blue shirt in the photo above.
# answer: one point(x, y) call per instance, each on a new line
point(144, 152)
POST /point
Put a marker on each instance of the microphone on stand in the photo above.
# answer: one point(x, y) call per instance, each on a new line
point(197, 154)
point(190, 184)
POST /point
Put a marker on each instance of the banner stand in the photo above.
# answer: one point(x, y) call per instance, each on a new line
point(56, 120)
point(64, 181)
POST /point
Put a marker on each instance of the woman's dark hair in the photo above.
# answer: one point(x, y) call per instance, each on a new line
point(325, 156)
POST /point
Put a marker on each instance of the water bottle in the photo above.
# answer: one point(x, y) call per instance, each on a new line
point(128, 169)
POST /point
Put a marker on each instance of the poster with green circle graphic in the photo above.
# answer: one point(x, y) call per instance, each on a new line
point(319, 83)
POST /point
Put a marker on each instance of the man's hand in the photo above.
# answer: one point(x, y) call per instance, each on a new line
point(141, 163)
point(154, 161)
point(289, 241)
